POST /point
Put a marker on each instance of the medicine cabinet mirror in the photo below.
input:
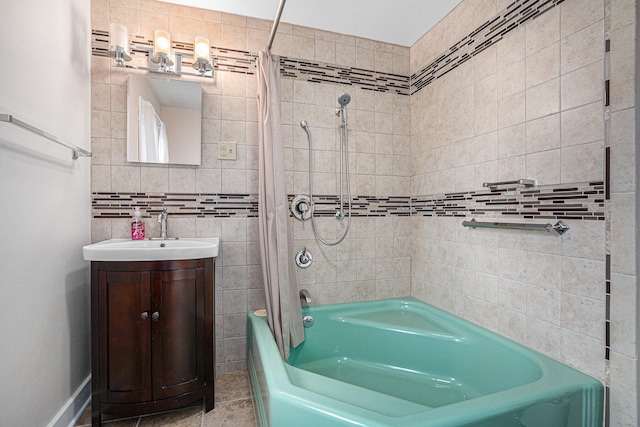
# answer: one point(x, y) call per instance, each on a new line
point(164, 120)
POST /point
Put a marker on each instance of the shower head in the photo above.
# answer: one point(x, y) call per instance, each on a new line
point(344, 99)
point(304, 125)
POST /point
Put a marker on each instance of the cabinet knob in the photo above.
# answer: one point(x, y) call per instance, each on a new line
point(155, 315)
point(144, 316)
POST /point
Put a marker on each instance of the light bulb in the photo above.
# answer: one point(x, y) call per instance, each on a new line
point(201, 48)
point(161, 42)
point(118, 37)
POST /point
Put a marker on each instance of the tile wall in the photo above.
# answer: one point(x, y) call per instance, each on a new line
point(529, 105)
point(218, 198)
point(621, 21)
point(534, 105)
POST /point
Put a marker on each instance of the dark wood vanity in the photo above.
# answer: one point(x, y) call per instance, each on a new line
point(152, 336)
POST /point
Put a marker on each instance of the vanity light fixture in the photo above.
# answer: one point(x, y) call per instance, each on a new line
point(119, 43)
point(162, 50)
point(161, 58)
point(202, 55)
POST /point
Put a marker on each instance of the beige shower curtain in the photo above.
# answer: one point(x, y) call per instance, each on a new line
point(281, 290)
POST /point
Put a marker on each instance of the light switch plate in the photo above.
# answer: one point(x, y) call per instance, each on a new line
point(227, 151)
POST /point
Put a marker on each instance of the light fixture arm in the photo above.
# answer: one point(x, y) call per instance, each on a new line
point(163, 65)
point(203, 66)
point(119, 55)
point(161, 58)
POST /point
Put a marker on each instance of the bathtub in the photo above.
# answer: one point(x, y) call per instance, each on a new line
point(401, 362)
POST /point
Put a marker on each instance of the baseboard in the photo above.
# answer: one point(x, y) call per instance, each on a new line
point(75, 406)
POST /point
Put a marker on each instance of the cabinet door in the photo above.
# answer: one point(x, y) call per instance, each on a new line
point(177, 329)
point(125, 335)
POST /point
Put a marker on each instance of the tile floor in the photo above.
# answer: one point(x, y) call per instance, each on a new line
point(233, 408)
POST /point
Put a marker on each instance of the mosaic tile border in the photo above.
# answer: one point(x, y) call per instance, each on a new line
point(243, 62)
point(229, 60)
point(319, 72)
point(576, 202)
point(572, 201)
point(607, 174)
point(489, 33)
point(114, 205)
point(363, 206)
point(120, 205)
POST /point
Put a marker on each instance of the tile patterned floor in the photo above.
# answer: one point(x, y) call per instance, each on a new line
point(233, 408)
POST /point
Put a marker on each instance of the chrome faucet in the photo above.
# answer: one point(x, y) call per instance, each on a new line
point(162, 219)
point(305, 297)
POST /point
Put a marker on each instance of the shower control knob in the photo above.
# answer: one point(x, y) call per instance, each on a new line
point(304, 258)
point(301, 207)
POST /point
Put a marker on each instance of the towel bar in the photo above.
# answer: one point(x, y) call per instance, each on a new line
point(77, 151)
point(559, 227)
point(525, 182)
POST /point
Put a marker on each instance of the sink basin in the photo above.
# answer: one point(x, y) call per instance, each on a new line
point(152, 250)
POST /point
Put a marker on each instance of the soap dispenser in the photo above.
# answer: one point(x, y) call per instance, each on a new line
point(137, 225)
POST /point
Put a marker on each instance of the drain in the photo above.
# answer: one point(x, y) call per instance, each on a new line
point(307, 321)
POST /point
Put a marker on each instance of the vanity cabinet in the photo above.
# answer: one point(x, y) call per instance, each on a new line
point(152, 336)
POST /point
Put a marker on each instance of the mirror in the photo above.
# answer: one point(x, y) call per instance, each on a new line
point(164, 120)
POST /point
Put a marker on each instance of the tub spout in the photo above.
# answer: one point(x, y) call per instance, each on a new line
point(305, 297)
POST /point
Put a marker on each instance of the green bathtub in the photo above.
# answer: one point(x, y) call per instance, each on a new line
point(401, 362)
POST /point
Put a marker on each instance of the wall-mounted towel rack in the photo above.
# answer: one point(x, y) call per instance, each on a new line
point(525, 182)
point(77, 151)
point(559, 227)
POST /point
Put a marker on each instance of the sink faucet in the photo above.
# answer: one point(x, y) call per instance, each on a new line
point(162, 219)
point(305, 297)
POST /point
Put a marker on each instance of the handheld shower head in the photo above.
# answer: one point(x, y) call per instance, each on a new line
point(344, 99)
point(304, 125)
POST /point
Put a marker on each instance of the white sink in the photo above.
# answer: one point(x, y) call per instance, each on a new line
point(152, 250)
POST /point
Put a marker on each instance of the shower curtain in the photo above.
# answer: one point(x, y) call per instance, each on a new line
point(153, 145)
point(281, 290)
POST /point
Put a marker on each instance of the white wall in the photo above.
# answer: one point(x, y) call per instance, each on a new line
point(44, 209)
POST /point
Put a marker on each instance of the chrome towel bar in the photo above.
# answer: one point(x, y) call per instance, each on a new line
point(525, 182)
point(559, 227)
point(77, 151)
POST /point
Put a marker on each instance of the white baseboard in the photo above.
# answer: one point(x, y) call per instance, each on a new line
point(75, 406)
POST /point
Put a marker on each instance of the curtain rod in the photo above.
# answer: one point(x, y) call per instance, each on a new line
point(276, 21)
